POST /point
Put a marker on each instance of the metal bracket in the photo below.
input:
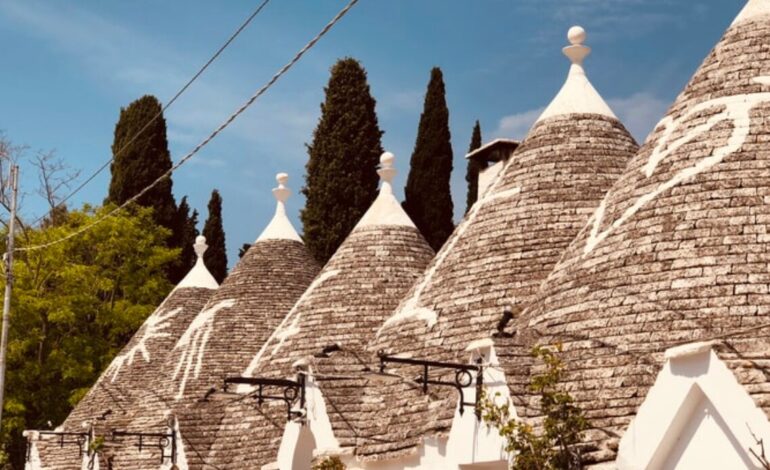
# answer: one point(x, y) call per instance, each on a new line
point(79, 438)
point(292, 391)
point(163, 441)
point(463, 376)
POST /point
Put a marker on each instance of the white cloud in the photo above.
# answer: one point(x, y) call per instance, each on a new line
point(516, 126)
point(638, 112)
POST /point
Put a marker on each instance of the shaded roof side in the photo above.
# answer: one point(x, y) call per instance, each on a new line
point(357, 289)
point(505, 246)
point(678, 250)
point(221, 341)
point(135, 368)
point(495, 147)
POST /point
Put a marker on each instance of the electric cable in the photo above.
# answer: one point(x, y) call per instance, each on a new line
point(160, 113)
point(205, 141)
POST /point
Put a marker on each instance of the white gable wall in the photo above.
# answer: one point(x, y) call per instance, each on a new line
point(696, 416)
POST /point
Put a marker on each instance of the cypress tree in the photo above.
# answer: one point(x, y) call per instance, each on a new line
point(474, 167)
point(428, 198)
point(185, 232)
point(341, 179)
point(139, 163)
point(216, 255)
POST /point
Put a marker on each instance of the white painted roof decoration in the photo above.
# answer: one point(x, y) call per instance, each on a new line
point(386, 210)
point(577, 96)
point(199, 276)
point(280, 228)
point(753, 9)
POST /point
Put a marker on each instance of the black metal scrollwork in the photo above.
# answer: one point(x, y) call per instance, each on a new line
point(292, 391)
point(463, 376)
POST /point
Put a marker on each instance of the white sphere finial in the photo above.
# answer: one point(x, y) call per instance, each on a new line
point(386, 171)
point(200, 246)
point(282, 193)
point(576, 35)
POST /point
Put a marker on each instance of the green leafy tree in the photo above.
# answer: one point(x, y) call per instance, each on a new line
point(554, 447)
point(329, 463)
point(474, 168)
point(75, 305)
point(428, 196)
point(341, 180)
point(216, 255)
point(139, 162)
point(183, 236)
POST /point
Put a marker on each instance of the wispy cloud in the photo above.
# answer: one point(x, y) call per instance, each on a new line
point(638, 112)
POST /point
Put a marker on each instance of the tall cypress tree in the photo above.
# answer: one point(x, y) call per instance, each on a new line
point(474, 167)
point(341, 180)
point(185, 232)
point(428, 198)
point(139, 162)
point(216, 255)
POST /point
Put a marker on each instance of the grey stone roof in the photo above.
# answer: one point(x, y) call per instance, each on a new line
point(677, 252)
point(120, 387)
point(357, 289)
point(498, 256)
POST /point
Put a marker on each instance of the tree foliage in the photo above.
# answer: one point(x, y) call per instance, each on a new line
point(341, 180)
point(139, 162)
point(474, 168)
point(428, 198)
point(554, 447)
point(243, 249)
point(75, 305)
point(216, 255)
point(329, 463)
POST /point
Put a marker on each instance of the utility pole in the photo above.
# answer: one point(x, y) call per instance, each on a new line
point(8, 258)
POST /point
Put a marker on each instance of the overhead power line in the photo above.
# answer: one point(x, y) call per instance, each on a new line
point(160, 113)
point(209, 138)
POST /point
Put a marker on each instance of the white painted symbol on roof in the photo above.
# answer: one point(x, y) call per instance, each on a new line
point(410, 308)
point(284, 331)
point(154, 327)
point(737, 110)
point(193, 342)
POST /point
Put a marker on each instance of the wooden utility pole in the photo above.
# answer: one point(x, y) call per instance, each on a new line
point(8, 285)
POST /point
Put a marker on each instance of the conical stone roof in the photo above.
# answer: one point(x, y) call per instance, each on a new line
point(506, 245)
point(677, 252)
point(222, 339)
point(351, 297)
point(117, 392)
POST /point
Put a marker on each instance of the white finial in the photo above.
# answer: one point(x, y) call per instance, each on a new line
point(577, 52)
point(385, 210)
point(280, 227)
point(200, 245)
point(386, 171)
point(577, 96)
point(282, 193)
point(199, 276)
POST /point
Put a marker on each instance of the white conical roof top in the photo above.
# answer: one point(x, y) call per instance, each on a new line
point(577, 96)
point(386, 210)
point(753, 9)
point(199, 276)
point(280, 228)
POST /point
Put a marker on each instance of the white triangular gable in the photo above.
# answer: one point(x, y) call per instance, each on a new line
point(695, 414)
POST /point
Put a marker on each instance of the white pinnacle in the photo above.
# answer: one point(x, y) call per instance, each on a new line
point(577, 96)
point(280, 227)
point(386, 210)
point(199, 276)
point(753, 9)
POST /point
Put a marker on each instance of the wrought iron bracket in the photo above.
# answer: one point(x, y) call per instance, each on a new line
point(293, 390)
point(64, 438)
point(162, 443)
point(464, 376)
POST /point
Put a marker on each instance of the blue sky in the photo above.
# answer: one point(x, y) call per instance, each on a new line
point(68, 67)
